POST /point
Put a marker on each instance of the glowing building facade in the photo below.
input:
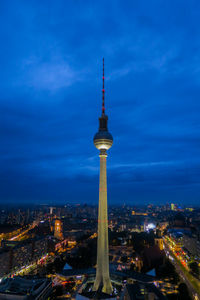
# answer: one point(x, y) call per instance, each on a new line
point(103, 141)
point(58, 232)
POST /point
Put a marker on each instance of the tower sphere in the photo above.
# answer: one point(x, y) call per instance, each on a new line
point(103, 140)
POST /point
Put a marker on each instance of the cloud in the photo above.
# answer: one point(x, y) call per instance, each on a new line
point(50, 99)
point(51, 75)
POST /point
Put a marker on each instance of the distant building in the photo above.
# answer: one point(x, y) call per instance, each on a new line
point(58, 229)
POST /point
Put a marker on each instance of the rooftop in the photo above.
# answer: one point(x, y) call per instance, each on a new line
point(20, 286)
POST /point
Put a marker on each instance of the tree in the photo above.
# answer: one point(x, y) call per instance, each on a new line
point(124, 259)
point(58, 290)
point(167, 271)
point(183, 292)
point(194, 268)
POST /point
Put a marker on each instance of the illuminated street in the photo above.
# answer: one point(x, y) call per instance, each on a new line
point(22, 235)
point(182, 269)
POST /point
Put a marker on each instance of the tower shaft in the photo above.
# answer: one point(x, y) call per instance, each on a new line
point(102, 272)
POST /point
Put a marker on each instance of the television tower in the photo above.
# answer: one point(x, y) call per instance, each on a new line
point(103, 140)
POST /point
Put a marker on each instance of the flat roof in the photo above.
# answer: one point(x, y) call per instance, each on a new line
point(131, 274)
point(22, 286)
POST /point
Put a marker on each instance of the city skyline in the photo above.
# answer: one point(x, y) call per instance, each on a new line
point(50, 96)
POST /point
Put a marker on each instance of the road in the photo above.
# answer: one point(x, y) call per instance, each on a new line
point(20, 236)
point(193, 291)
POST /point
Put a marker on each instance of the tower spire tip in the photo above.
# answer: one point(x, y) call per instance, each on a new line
point(103, 93)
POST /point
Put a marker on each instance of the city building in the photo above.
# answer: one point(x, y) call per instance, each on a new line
point(158, 240)
point(141, 291)
point(17, 255)
point(24, 289)
point(58, 229)
point(192, 244)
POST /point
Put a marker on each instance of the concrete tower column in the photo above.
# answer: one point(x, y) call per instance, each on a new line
point(102, 272)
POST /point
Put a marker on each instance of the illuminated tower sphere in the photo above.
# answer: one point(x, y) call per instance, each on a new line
point(103, 141)
point(58, 232)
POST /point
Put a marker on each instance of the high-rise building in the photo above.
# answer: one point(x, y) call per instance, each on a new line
point(103, 141)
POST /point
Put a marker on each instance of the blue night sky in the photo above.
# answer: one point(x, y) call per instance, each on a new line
point(50, 100)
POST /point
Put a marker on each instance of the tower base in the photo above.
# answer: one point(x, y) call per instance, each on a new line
point(105, 287)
